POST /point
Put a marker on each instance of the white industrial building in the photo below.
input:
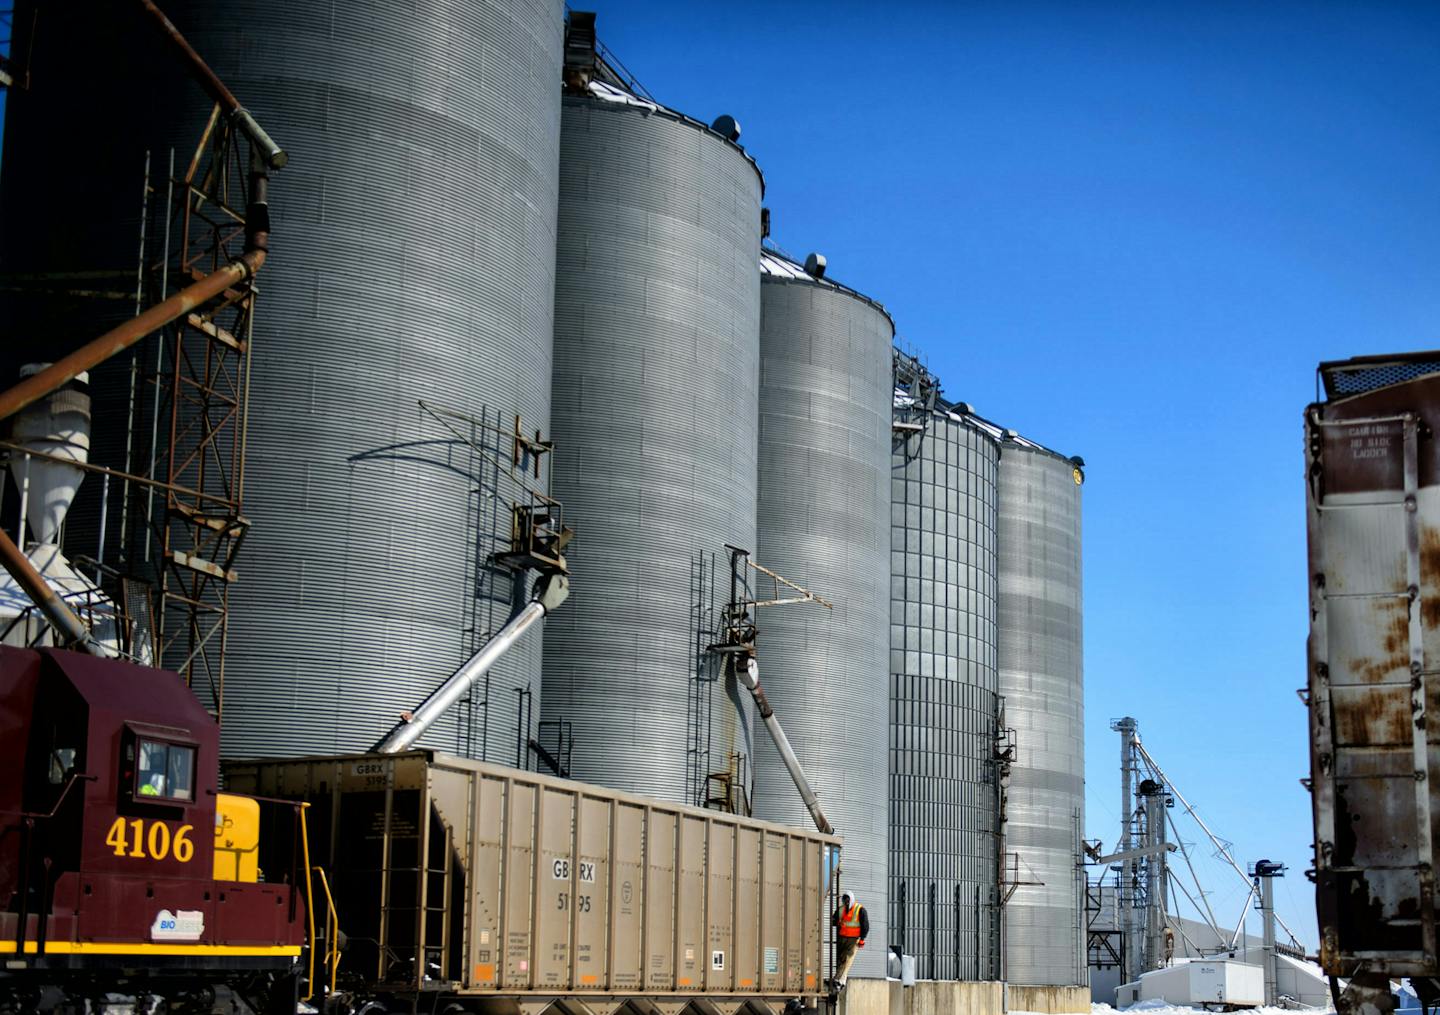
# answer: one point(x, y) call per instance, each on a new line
point(1300, 981)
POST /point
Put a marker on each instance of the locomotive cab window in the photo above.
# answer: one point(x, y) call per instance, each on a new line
point(164, 771)
point(62, 764)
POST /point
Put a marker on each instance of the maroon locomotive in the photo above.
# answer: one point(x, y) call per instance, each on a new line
point(122, 867)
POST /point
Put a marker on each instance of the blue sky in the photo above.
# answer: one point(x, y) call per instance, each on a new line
point(1129, 231)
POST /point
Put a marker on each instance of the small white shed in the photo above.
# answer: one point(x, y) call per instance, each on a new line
point(1218, 983)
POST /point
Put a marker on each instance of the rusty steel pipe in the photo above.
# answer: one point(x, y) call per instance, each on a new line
point(51, 605)
point(237, 114)
point(118, 339)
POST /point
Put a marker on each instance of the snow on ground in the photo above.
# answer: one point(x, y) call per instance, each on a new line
point(1165, 1008)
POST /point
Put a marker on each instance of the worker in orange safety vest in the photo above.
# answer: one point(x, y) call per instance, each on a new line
point(852, 924)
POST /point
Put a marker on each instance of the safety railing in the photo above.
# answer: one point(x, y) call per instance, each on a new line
point(309, 898)
point(332, 933)
point(331, 962)
point(26, 826)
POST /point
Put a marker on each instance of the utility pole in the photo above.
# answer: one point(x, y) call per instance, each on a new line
point(1265, 872)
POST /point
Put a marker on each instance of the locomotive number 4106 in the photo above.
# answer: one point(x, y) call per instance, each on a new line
point(134, 839)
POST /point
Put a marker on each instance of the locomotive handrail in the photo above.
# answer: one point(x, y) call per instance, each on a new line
point(74, 778)
point(309, 893)
point(292, 804)
point(26, 825)
point(332, 930)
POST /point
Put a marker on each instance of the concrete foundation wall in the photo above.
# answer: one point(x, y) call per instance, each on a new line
point(927, 997)
point(1052, 1000)
point(949, 997)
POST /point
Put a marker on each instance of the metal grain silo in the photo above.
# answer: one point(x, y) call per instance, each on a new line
point(1042, 686)
point(422, 201)
point(657, 321)
point(412, 257)
point(825, 396)
point(944, 794)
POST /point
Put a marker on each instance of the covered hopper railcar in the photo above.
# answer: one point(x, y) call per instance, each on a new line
point(1373, 499)
point(507, 891)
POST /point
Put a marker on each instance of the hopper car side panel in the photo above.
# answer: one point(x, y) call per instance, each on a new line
point(537, 887)
point(1373, 498)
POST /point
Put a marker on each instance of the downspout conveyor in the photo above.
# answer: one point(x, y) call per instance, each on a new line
point(237, 114)
point(553, 590)
point(750, 676)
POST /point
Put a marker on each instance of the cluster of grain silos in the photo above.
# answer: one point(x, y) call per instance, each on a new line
point(986, 705)
point(457, 232)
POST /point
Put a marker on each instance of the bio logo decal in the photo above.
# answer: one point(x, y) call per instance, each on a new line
point(182, 925)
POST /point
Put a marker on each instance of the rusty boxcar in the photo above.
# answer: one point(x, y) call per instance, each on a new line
point(1373, 499)
point(508, 890)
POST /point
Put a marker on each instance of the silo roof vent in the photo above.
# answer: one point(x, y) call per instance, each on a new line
point(727, 127)
point(815, 265)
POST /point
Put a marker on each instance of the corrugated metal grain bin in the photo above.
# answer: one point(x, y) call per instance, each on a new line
point(944, 799)
point(825, 394)
point(1373, 499)
point(657, 346)
point(1042, 682)
point(456, 876)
